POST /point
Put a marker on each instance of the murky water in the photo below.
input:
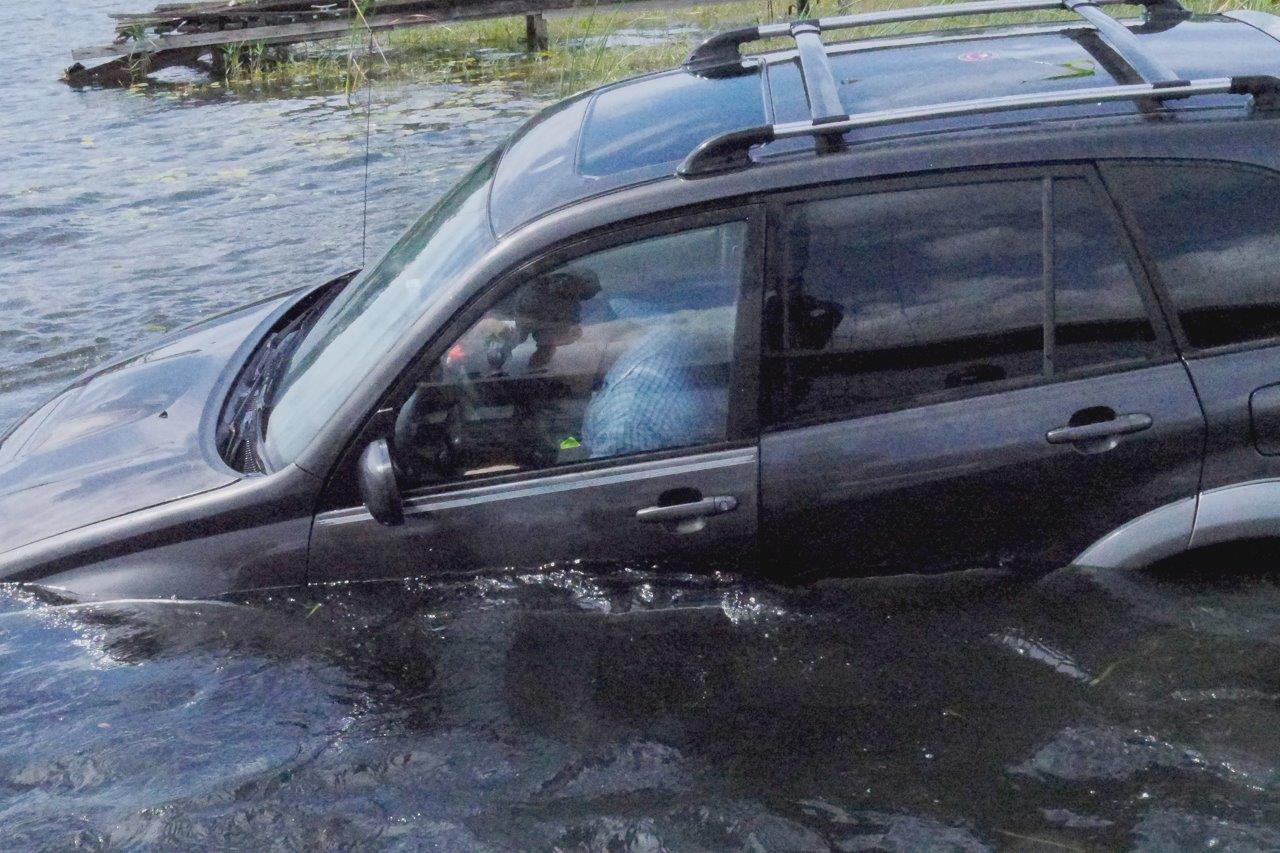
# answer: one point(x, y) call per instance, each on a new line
point(127, 213)
point(570, 709)
point(629, 711)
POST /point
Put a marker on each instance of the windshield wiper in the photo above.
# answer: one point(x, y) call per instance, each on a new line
point(244, 423)
point(283, 346)
point(244, 428)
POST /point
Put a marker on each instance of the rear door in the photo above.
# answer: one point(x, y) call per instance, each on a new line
point(600, 405)
point(965, 371)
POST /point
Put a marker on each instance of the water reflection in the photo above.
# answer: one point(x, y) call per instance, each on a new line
point(128, 213)
point(630, 709)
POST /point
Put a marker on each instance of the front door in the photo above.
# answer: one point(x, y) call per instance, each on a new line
point(598, 407)
point(967, 372)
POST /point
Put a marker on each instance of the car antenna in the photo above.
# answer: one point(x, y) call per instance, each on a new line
point(368, 131)
point(358, 10)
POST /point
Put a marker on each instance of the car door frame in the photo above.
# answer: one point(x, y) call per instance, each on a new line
point(776, 379)
point(340, 495)
point(1085, 169)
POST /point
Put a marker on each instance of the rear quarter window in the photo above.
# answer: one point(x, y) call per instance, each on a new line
point(1213, 232)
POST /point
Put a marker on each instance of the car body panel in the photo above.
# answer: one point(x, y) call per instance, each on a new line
point(102, 495)
point(1226, 382)
point(1239, 512)
point(122, 439)
point(248, 535)
point(1241, 488)
point(239, 559)
point(585, 516)
point(1162, 533)
point(974, 482)
point(118, 481)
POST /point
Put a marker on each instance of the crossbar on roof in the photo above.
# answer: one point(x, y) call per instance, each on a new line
point(733, 150)
point(726, 47)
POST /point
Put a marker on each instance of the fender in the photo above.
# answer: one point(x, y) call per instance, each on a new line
point(1164, 532)
point(1238, 512)
point(1220, 516)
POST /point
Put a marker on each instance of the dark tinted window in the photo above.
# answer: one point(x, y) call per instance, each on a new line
point(901, 294)
point(904, 296)
point(1101, 318)
point(1214, 232)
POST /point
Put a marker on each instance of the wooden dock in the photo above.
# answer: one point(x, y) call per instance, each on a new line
point(185, 33)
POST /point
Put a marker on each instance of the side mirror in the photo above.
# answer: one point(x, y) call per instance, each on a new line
point(378, 487)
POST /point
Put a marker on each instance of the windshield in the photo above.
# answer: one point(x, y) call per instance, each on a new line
point(373, 313)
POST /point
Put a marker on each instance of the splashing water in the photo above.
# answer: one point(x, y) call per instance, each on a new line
point(633, 709)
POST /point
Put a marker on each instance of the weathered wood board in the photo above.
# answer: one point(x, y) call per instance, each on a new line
point(179, 33)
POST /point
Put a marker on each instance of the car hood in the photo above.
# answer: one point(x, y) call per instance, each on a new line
point(124, 437)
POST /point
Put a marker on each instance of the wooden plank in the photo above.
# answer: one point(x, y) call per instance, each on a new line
point(312, 31)
point(214, 12)
point(222, 14)
point(327, 29)
point(637, 6)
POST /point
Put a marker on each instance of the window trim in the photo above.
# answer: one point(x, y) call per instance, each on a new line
point(743, 424)
point(775, 416)
point(1137, 235)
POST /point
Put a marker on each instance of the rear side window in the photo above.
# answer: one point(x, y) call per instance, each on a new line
point(897, 298)
point(1101, 317)
point(1214, 234)
point(899, 294)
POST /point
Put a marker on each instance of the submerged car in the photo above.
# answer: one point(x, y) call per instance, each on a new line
point(977, 297)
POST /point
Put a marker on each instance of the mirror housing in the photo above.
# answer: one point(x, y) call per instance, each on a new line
point(376, 475)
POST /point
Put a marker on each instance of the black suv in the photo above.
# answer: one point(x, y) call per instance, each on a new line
point(1001, 297)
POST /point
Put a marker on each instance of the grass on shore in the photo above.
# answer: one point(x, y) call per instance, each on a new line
point(587, 48)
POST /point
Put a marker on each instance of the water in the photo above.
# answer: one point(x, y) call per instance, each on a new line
point(631, 711)
point(124, 214)
point(568, 708)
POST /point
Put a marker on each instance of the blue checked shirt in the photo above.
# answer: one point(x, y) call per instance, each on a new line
point(652, 398)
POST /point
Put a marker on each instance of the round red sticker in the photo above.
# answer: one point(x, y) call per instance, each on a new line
point(977, 56)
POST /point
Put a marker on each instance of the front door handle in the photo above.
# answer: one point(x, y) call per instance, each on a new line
point(1117, 426)
point(688, 511)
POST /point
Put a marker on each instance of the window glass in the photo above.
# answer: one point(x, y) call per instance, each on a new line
point(902, 294)
point(1101, 318)
point(621, 352)
point(373, 312)
point(1212, 230)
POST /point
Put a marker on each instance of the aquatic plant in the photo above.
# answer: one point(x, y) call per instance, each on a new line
point(232, 60)
point(138, 63)
point(591, 46)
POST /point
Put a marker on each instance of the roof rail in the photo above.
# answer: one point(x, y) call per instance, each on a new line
point(733, 150)
point(726, 47)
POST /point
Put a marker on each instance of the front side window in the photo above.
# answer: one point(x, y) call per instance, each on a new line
point(894, 298)
point(617, 353)
point(1212, 231)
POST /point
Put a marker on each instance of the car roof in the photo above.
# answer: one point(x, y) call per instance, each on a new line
point(639, 130)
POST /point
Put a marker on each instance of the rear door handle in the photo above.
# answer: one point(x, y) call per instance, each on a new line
point(684, 512)
point(1119, 425)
